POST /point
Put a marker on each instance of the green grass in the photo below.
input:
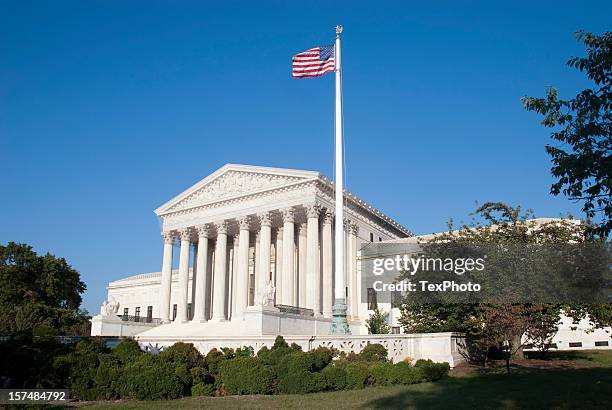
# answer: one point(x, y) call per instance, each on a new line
point(577, 380)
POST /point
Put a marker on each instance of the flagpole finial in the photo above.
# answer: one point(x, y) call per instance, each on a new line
point(338, 30)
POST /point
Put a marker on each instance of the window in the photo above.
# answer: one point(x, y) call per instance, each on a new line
point(551, 345)
point(174, 311)
point(371, 237)
point(575, 344)
point(189, 310)
point(603, 343)
point(372, 304)
point(396, 298)
point(137, 314)
point(395, 330)
point(379, 239)
point(149, 313)
point(126, 312)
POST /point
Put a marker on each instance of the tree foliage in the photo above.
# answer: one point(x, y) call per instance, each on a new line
point(38, 292)
point(377, 323)
point(503, 324)
point(582, 163)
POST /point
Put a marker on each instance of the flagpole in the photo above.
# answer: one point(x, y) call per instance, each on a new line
point(339, 324)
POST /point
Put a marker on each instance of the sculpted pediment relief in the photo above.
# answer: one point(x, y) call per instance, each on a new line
point(231, 184)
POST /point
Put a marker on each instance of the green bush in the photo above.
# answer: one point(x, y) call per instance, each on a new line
point(183, 353)
point(212, 360)
point(296, 373)
point(373, 352)
point(108, 380)
point(152, 378)
point(203, 389)
point(321, 357)
point(335, 377)
point(357, 375)
point(246, 375)
point(403, 373)
point(381, 374)
point(432, 371)
point(81, 365)
point(127, 351)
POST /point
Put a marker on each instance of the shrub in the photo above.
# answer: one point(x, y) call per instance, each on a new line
point(335, 377)
point(127, 350)
point(432, 371)
point(357, 375)
point(296, 374)
point(381, 373)
point(151, 378)
point(203, 389)
point(320, 358)
point(82, 365)
point(212, 360)
point(403, 373)
point(279, 343)
point(200, 374)
point(374, 352)
point(183, 353)
point(246, 375)
point(246, 351)
point(108, 380)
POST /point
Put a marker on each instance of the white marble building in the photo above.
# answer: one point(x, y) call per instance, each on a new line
point(241, 231)
point(248, 254)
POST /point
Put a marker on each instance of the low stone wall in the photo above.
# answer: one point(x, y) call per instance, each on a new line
point(439, 347)
point(114, 326)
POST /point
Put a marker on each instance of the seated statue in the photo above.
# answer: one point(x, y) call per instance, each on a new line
point(109, 307)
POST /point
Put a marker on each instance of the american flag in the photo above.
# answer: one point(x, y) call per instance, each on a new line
point(314, 62)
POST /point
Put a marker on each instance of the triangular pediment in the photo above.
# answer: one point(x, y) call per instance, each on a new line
point(233, 181)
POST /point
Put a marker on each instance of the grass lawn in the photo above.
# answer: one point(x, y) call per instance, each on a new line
point(557, 380)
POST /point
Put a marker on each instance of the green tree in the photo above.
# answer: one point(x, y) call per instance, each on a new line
point(377, 323)
point(38, 292)
point(582, 163)
point(503, 324)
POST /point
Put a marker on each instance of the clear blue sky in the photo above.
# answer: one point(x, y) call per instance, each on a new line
point(110, 108)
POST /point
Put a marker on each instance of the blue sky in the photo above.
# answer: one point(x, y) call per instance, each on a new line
point(109, 108)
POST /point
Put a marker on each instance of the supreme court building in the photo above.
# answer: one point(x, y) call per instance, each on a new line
point(248, 255)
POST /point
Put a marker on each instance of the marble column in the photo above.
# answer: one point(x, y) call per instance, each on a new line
point(183, 282)
point(288, 281)
point(313, 281)
point(279, 265)
point(302, 271)
point(233, 293)
point(265, 242)
point(353, 231)
point(166, 277)
point(198, 304)
point(328, 297)
point(242, 273)
point(220, 282)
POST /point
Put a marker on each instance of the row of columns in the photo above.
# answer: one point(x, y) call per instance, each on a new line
point(315, 286)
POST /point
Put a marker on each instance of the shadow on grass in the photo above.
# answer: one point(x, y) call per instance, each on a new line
point(542, 389)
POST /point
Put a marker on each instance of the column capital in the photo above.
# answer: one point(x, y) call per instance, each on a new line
point(221, 227)
point(186, 234)
point(328, 216)
point(313, 210)
point(169, 237)
point(203, 231)
point(352, 227)
point(288, 214)
point(302, 229)
point(264, 219)
point(244, 222)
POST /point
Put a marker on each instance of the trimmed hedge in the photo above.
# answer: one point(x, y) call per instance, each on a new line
point(246, 375)
point(93, 372)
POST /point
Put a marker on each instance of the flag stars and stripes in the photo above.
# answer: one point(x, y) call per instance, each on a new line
point(313, 62)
